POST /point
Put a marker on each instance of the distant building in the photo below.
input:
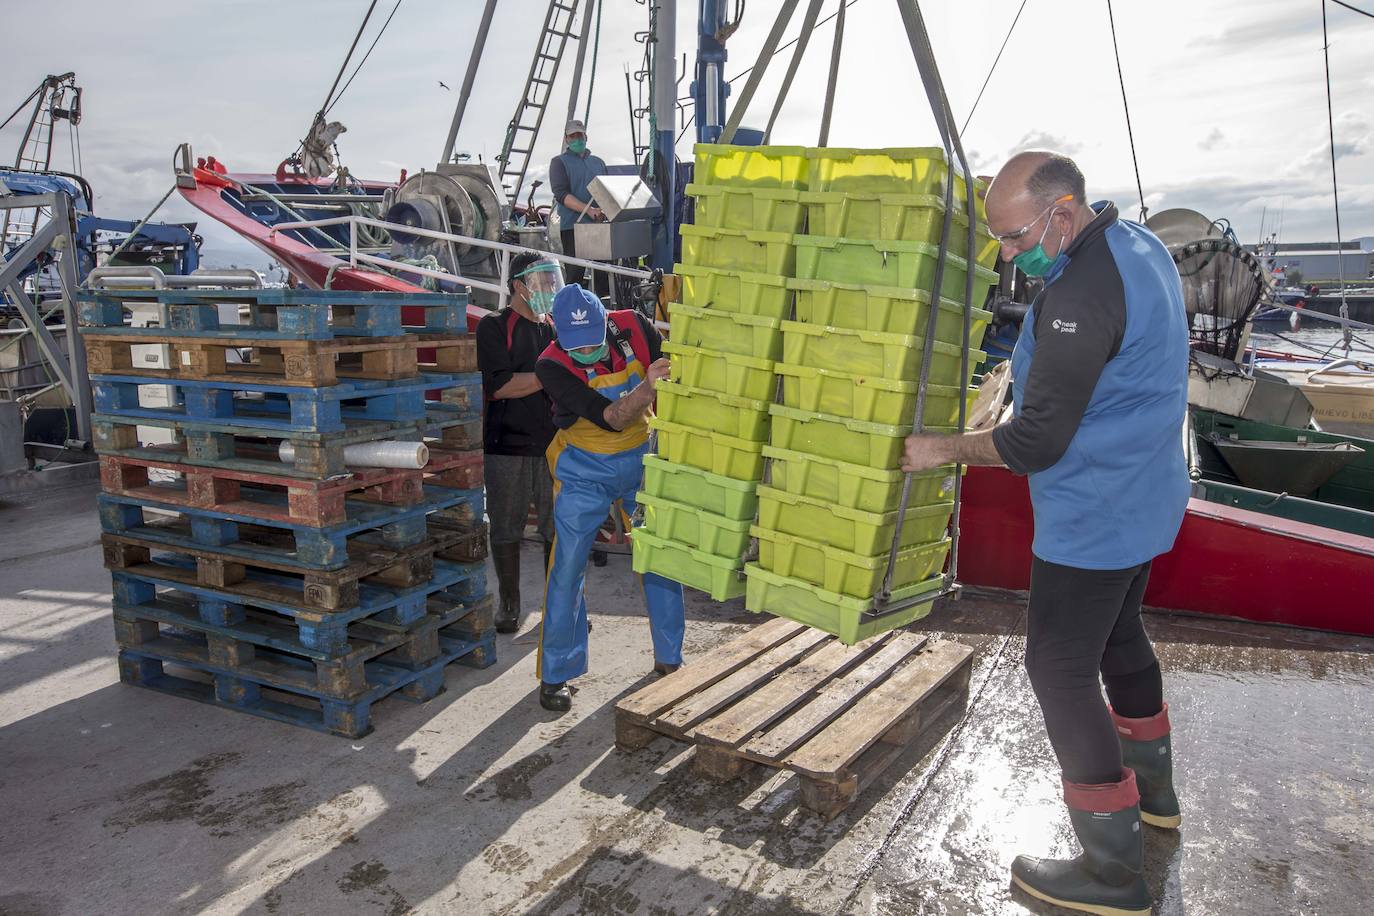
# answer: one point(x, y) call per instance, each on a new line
point(1320, 262)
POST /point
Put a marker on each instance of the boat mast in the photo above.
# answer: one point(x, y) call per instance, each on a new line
point(479, 43)
point(665, 111)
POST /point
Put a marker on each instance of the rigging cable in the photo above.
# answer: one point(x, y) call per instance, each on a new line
point(963, 130)
point(596, 51)
point(347, 57)
point(1335, 195)
point(22, 105)
point(1353, 9)
point(365, 57)
point(1130, 135)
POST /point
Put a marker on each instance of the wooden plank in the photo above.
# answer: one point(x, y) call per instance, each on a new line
point(834, 699)
point(656, 697)
point(693, 709)
point(764, 706)
point(848, 736)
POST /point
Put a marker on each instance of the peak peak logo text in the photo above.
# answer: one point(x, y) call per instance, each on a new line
point(1064, 327)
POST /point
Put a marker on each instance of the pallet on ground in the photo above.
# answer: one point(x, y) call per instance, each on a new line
point(789, 697)
point(319, 547)
point(308, 501)
point(321, 630)
point(352, 718)
point(276, 314)
point(262, 569)
point(284, 408)
point(452, 352)
point(469, 542)
point(314, 363)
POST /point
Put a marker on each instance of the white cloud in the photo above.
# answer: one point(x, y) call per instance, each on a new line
point(1212, 140)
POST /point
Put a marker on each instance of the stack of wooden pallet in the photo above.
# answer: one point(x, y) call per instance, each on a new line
point(254, 568)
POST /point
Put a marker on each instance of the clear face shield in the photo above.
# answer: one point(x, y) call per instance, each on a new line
point(543, 279)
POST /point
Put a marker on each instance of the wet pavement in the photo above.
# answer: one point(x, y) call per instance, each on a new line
point(123, 800)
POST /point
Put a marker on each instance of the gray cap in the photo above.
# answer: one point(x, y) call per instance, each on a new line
point(574, 127)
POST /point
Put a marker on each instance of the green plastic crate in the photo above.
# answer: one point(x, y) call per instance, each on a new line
point(874, 262)
point(830, 611)
point(718, 577)
point(855, 486)
point(764, 295)
point(688, 525)
point(750, 166)
point(897, 217)
point(718, 453)
point(897, 170)
point(836, 570)
point(867, 397)
point(895, 310)
point(872, 353)
point(750, 251)
point(854, 530)
point(726, 332)
point(728, 373)
point(712, 411)
point(724, 496)
point(876, 445)
point(726, 207)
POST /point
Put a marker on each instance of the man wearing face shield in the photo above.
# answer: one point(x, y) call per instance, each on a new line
point(517, 422)
point(570, 174)
point(600, 374)
point(1100, 382)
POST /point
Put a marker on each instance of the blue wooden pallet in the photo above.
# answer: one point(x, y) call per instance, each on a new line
point(316, 629)
point(283, 408)
point(251, 693)
point(318, 548)
point(279, 314)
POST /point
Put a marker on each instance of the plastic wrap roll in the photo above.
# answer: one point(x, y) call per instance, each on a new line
point(374, 454)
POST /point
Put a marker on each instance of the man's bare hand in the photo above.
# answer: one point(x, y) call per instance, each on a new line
point(595, 214)
point(927, 450)
point(659, 369)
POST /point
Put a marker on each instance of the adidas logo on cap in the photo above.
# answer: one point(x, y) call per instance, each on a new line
point(579, 316)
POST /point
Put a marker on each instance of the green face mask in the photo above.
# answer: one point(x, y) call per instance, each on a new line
point(540, 302)
point(577, 147)
point(1035, 262)
point(588, 359)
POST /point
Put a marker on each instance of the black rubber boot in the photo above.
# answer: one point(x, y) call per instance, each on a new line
point(506, 558)
point(555, 697)
point(1106, 879)
point(663, 669)
point(1145, 748)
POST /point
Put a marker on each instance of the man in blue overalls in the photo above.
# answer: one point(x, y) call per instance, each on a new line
point(600, 373)
point(570, 173)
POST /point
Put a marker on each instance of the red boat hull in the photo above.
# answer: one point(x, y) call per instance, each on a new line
point(1226, 561)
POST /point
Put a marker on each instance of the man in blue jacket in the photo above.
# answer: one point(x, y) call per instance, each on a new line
point(1100, 376)
point(570, 173)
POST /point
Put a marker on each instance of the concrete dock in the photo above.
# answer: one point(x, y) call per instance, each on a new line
point(122, 800)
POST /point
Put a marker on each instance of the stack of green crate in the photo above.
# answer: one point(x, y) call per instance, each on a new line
point(850, 367)
point(713, 421)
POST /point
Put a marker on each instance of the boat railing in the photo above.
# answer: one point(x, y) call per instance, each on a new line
point(358, 256)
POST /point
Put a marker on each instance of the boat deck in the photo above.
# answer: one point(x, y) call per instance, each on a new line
point(122, 800)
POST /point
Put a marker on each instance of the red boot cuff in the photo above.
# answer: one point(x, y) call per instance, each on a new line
point(1107, 797)
point(1156, 726)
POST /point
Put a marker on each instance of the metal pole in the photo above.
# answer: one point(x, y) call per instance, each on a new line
point(834, 75)
point(478, 44)
point(76, 350)
point(581, 56)
point(665, 111)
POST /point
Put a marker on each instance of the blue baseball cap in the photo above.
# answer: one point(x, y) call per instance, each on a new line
point(579, 317)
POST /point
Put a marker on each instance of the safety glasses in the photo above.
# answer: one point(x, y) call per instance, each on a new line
point(1010, 238)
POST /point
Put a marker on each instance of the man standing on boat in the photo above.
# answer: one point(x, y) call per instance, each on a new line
point(570, 173)
point(1100, 376)
point(600, 373)
point(517, 424)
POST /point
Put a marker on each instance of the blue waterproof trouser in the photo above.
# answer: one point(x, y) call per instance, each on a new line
point(586, 487)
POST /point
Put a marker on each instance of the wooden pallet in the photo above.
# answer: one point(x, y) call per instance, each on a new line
point(788, 696)
point(294, 500)
point(312, 363)
point(451, 352)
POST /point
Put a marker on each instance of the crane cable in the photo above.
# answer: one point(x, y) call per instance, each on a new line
point(324, 107)
point(1017, 18)
point(380, 33)
point(1126, 105)
point(1335, 194)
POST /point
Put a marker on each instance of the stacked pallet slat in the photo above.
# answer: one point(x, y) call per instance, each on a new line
point(253, 567)
point(850, 369)
point(713, 421)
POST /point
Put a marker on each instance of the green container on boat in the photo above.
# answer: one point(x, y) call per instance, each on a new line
point(854, 530)
point(852, 574)
point(872, 353)
point(894, 170)
point(854, 486)
point(874, 262)
point(693, 527)
point(751, 251)
point(762, 295)
point(728, 456)
point(727, 207)
point(867, 397)
point(724, 496)
point(751, 166)
point(711, 411)
point(896, 217)
point(727, 332)
point(718, 577)
point(893, 310)
point(727, 373)
point(831, 611)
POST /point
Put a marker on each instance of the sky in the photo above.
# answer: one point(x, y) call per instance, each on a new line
point(1227, 98)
